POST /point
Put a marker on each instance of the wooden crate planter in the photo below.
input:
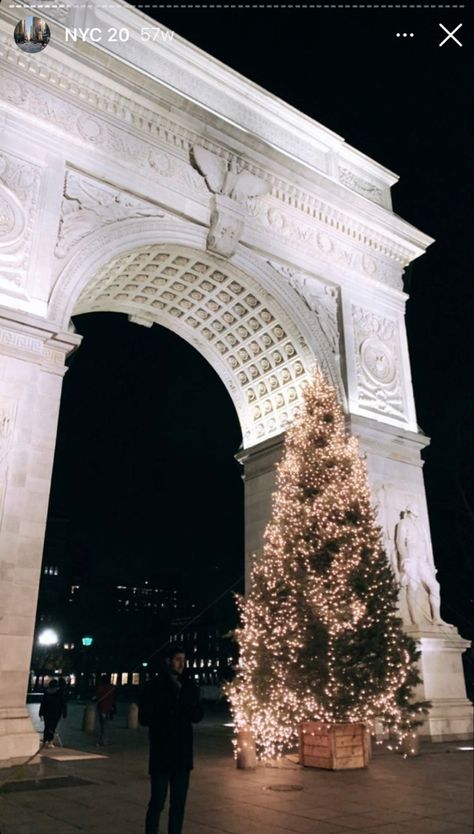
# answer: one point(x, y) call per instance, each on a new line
point(334, 746)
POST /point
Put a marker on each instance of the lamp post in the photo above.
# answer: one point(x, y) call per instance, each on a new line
point(87, 642)
point(46, 639)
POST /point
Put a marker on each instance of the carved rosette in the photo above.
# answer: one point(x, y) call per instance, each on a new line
point(376, 343)
point(19, 193)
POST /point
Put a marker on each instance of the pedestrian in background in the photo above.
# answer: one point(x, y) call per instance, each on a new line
point(105, 697)
point(52, 709)
point(168, 706)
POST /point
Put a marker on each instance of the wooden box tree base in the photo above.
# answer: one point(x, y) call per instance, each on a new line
point(334, 746)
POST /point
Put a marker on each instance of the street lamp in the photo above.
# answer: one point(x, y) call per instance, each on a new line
point(48, 637)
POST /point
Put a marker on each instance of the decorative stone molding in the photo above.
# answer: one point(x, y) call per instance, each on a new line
point(88, 205)
point(376, 350)
point(36, 341)
point(329, 246)
point(361, 186)
point(245, 334)
point(19, 194)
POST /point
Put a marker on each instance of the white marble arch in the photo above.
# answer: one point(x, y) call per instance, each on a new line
point(145, 148)
point(263, 353)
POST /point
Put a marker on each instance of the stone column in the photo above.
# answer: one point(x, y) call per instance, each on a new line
point(32, 355)
point(259, 477)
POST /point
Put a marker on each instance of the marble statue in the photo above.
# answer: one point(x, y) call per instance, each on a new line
point(416, 567)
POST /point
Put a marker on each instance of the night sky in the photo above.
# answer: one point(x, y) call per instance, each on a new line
point(144, 466)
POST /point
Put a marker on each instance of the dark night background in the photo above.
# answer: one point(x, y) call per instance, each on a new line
point(144, 466)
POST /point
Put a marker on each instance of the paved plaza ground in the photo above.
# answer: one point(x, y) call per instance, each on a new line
point(429, 794)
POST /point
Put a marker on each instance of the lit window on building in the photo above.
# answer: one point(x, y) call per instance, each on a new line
point(124, 678)
point(136, 678)
point(114, 678)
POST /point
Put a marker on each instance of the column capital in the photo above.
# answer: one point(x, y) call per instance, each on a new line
point(262, 457)
point(32, 338)
point(394, 442)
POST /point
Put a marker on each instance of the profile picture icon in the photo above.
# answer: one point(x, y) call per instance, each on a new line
point(32, 34)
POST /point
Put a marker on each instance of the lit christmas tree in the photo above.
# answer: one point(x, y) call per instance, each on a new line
point(321, 639)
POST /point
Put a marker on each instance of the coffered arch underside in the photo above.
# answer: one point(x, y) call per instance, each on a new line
point(251, 341)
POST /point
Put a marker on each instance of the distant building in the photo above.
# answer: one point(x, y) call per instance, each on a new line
point(146, 595)
point(130, 622)
point(55, 575)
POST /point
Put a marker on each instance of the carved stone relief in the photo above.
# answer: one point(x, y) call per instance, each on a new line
point(319, 312)
point(361, 186)
point(323, 300)
point(233, 189)
point(376, 346)
point(19, 193)
point(88, 205)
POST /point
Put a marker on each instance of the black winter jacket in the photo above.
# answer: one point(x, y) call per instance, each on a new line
point(53, 705)
point(168, 711)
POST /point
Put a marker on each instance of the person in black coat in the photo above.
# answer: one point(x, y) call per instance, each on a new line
point(168, 706)
point(52, 708)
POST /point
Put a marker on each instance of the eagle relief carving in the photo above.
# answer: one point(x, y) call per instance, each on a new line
point(231, 186)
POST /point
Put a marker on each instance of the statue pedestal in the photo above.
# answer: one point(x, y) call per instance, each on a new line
point(451, 716)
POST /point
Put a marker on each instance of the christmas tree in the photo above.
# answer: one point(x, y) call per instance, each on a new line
point(320, 638)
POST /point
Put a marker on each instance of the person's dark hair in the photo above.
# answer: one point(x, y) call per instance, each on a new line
point(173, 649)
point(53, 684)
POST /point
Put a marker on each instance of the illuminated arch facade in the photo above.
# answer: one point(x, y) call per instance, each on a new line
point(168, 187)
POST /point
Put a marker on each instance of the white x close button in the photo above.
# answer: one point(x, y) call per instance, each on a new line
point(450, 35)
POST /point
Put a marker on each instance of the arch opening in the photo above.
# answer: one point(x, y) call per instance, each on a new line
point(255, 344)
point(146, 481)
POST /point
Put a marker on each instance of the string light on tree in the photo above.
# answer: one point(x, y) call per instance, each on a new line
point(320, 638)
